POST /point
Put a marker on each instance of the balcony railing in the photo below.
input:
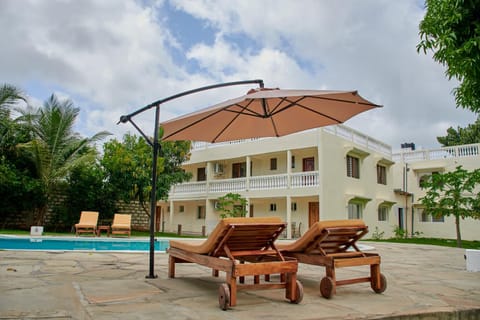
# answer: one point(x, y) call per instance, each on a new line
point(279, 181)
point(337, 130)
point(467, 150)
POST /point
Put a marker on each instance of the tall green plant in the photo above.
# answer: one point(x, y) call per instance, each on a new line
point(56, 148)
point(128, 164)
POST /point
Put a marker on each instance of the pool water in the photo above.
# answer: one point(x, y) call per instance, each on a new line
point(79, 244)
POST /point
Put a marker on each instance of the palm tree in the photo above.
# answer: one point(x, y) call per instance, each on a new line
point(10, 96)
point(55, 148)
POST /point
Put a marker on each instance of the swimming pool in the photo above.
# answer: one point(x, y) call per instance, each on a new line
point(79, 244)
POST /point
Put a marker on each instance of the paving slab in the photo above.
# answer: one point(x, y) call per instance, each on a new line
point(423, 282)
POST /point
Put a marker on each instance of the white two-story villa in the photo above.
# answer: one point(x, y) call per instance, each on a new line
point(321, 174)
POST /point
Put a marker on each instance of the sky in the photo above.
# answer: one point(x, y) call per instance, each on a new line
point(112, 57)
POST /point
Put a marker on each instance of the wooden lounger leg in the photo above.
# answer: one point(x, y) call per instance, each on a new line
point(171, 267)
point(378, 282)
point(375, 275)
point(331, 274)
point(232, 282)
point(290, 286)
point(293, 288)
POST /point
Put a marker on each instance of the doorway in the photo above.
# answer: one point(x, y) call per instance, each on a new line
point(308, 164)
point(313, 213)
point(401, 224)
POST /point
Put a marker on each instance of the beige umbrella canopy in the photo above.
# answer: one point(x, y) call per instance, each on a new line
point(266, 113)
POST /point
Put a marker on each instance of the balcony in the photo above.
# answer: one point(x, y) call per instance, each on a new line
point(339, 130)
point(468, 150)
point(279, 182)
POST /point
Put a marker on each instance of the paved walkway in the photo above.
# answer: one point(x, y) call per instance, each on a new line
point(424, 282)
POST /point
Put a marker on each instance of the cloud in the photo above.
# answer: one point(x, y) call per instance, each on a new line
point(114, 57)
point(365, 45)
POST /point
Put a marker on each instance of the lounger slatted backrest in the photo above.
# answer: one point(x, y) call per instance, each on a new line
point(214, 241)
point(330, 236)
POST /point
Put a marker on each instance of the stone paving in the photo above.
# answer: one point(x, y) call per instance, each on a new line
point(424, 282)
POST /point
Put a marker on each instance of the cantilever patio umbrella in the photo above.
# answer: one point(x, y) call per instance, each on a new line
point(266, 113)
point(260, 113)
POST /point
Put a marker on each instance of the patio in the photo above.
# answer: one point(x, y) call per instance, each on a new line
point(424, 282)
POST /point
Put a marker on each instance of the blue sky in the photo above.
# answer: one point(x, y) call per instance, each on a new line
point(112, 57)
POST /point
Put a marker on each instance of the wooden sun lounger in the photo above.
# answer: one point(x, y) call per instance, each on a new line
point(241, 247)
point(121, 224)
point(88, 223)
point(332, 244)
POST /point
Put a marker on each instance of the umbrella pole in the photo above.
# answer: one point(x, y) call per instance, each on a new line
point(153, 196)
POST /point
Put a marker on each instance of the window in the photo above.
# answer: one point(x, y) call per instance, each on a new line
point(381, 174)
point(353, 167)
point(354, 210)
point(181, 209)
point(425, 217)
point(273, 164)
point(239, 170)
point(293, 206)
point(201, 212)
point(201, 174)
point(293, 162)
point(382, 213)
point(273, 207)
point(424, 178)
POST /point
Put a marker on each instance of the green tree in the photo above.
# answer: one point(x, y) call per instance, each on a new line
point(19, 189)
point(453, 193)
point(232, 205)
point(128, 164)
point(55, 148)
point(467, 135)
point(10, 97)
point(451, 29)
point(86, 189)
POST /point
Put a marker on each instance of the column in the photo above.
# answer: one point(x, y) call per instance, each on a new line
point(289, 217)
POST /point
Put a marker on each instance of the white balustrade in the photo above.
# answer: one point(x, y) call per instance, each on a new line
point(279, 181)
point(304, 179)
point(191, 187)
point(468, 150)
point(228, 185)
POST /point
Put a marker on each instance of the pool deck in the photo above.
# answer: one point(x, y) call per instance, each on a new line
point(424, 282)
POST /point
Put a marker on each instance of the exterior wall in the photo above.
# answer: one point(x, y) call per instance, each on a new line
point(290, 191)
point(423, 162)
point(287, 188)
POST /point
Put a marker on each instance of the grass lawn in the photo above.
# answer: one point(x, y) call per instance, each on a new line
point(434, 241)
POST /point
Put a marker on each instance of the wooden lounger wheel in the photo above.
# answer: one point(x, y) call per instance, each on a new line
point(383, 284)
point(299, 291)
point(327, 286)
point(224, 296)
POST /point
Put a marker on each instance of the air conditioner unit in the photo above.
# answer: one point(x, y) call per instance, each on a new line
point(218, 168)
